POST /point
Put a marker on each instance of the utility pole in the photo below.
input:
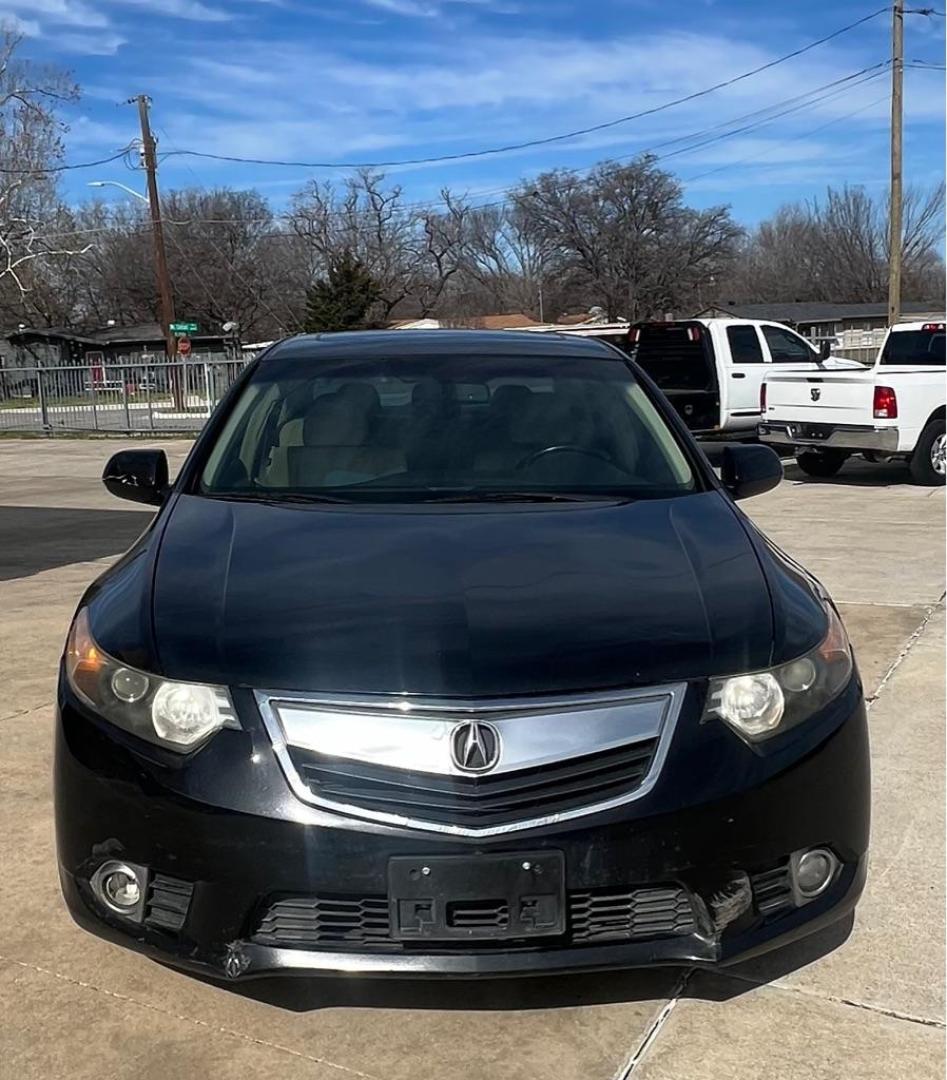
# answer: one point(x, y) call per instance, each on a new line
point(896, 197)
point(162, 277)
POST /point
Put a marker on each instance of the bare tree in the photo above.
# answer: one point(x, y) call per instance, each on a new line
point(836, 249)
point(509, 265)
point(30, 146)
point(410, 252)
point(626, 232)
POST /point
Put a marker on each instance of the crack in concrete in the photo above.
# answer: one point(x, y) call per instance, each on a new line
point(26, 712)
point(909, 645)
point(881, 1010)
point(189, 1019)
point(651, 1035)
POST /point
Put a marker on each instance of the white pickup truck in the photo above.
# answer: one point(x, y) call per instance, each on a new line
point(893, 409)
point(711, 370)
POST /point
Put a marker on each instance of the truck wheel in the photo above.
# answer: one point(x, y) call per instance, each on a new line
point(821, 462)
point(928, 466)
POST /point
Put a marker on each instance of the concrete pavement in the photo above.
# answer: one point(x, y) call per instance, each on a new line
point(872, 1006)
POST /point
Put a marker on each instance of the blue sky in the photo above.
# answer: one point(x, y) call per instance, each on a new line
point(369, 79)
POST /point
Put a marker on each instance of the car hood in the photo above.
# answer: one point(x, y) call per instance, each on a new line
point(458, 600)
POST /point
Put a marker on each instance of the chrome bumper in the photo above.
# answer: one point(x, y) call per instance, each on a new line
point(830, 436)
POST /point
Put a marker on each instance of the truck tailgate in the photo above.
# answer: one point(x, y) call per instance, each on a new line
point(821, 398)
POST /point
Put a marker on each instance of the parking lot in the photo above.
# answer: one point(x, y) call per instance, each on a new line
point(864, 1001)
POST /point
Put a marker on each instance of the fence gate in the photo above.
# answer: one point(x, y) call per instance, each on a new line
point(134, 397)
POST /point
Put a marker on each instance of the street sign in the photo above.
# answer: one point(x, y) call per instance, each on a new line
point(180, 329)
point(184, 346)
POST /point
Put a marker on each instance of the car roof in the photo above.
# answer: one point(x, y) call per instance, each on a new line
point(898, 327)
point(381, 343)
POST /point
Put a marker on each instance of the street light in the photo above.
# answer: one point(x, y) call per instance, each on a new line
point(161, 272)
point(116, 183)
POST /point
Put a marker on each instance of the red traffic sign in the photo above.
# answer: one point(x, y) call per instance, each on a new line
point(184, 346)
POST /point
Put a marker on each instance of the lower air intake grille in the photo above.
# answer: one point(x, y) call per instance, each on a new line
point(615, 914)
point(599, 915)
point(167, 903)
point(772, 890)
point(325, 921)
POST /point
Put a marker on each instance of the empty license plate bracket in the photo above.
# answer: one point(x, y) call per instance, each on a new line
point(477, 897)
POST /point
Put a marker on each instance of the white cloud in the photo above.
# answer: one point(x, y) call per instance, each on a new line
point(433, 8)
point(55, 12)
point(106, 43)
point(194, 10)
point(26, 27)
point(417, 100)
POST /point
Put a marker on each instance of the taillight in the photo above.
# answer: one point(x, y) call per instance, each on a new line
point(634, 336)
point(762, 397)
point(886, 403)
point(934, 326)
point(693, 333)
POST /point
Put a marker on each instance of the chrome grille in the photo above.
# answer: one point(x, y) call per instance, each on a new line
point(390, 759)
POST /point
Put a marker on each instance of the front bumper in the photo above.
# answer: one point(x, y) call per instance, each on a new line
point(225, 827)
point(855, 438)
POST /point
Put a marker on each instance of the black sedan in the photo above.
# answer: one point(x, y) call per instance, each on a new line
point(448, 653)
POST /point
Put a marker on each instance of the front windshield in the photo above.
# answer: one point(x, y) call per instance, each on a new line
point(463, 426)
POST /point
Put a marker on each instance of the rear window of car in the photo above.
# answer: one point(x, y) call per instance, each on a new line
point(906, 347)
point(677, 356)
point(408, 429)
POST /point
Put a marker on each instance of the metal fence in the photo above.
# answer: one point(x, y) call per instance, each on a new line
point(143, 397)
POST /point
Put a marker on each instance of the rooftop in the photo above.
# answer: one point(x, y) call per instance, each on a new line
point(814, 312)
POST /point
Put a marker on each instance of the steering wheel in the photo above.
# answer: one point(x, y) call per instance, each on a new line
point(568, 448)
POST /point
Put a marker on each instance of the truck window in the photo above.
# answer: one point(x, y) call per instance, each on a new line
point(785, 347)
point(676, 355)
point(915, 347)
point(744, 345)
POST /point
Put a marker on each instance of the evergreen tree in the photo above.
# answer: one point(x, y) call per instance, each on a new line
point(343, 298)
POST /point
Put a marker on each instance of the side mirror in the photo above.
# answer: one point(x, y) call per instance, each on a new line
point(750, 470)
point(138, 475)
point(825, 349)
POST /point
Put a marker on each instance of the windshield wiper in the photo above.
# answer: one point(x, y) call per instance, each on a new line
point(522, 496)
point(277, 497)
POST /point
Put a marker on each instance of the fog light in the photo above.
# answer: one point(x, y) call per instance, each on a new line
point(120, 887)
point(813, 872)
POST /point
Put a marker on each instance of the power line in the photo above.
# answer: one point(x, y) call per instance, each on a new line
point(510, 148)
point(233, 268)
point(67, 168)
point(791, 138)
point(765, 116)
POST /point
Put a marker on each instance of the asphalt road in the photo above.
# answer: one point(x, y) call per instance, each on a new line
point(869, 1003)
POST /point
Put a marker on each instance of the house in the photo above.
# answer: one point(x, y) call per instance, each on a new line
point(112, 346)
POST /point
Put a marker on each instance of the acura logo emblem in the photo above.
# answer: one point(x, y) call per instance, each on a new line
point(816, 393)
point(475, 746)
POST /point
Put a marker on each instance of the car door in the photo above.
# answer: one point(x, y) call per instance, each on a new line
point(747, 364)
point(785, 346)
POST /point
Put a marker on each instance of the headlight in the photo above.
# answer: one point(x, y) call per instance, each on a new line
point(765, 703)
point(173, 714)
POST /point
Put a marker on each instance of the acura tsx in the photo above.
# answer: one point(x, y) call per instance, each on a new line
point(448, 653)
